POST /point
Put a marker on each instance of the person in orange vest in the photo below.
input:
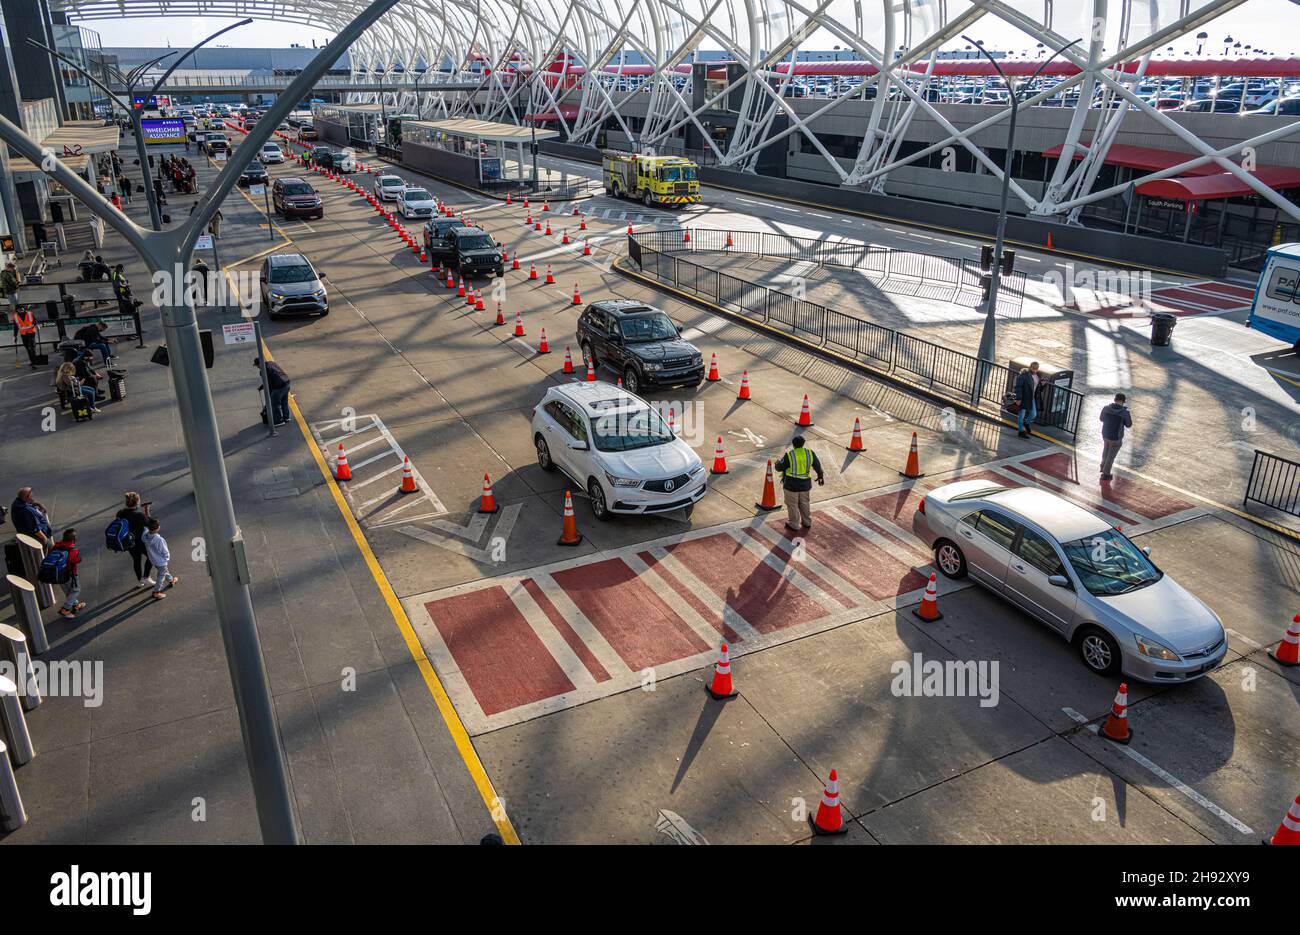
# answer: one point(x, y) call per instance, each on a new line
point(25, 325)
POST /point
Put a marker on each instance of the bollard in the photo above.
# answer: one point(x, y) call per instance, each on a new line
point(33, 554)
point(12, 814)
point(23, 594)
point(13, 648)
point(16, 735)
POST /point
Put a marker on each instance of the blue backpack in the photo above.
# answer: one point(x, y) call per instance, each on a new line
point(118, 536)
point(55, 568)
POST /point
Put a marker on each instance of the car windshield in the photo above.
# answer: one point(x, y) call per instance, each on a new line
point(417, 194)
point(302, 188)
point(630, 429)
point(476, 242)
point(297, 273)
point(270, 148)
point(643, 328)
point(1109, 564)
point(391, 183)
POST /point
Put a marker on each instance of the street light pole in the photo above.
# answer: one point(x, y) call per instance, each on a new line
point(988, 349)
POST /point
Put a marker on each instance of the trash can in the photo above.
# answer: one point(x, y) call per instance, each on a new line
point(117, 385)
point(1162, 328)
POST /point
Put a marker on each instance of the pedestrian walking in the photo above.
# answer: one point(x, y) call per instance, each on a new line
point(159, 195)
point(136, 514)
point(1027, 397)
point(24, 322)
point(1115, 418)
point(30, 518)
point(156, 547)
point(124, 185)
point(797, 467)
point(9, 283)
point(72, 603)
point(214, 226)
point(279, 381)
point(201, 272)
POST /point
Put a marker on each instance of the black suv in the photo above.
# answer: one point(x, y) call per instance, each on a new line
point(438, 241)
point(293, 197)
point(475, 252)
point(322, 156)
point(255, 174)
point(641, 343)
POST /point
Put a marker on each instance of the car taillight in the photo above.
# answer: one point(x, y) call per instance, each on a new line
point(920, 507)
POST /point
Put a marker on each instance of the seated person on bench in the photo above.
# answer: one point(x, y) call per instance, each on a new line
point(70, 387)
point(86, 372)
point(92, 336)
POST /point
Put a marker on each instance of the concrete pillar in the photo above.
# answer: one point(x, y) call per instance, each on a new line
point(33, 553)
point(13, 649)
point(16, 735)
point(23, 593)
point(12, 814)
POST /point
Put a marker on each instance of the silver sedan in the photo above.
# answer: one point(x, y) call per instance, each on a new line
point(1076, 573)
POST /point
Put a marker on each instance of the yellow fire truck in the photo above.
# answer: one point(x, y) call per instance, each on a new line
point(652, 180)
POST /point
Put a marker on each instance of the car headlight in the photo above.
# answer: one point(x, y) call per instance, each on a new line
point(621, 481)
point(277, 296)
point(651, 365)
point(319, 293)
point(697, 358)
point(1155, 650)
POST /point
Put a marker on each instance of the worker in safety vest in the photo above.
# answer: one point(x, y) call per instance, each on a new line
point(797, 467)
point(25, 325)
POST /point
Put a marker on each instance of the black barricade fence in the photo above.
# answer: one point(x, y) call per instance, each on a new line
point(1274, 482)
point(946, 372)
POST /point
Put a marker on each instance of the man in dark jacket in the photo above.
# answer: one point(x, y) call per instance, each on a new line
point(1115, 418)
point(30, 518)
point(1026, 395)
point(279, 381)
point(92, 336)
point(797, 467)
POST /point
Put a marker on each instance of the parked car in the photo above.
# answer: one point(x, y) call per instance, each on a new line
point(346, 161)
point(474, 252)
point(389, 187)
point(640, 342)
point(1075, 572)
point(294, 197)
point(616, 447)
point(438, 242)
point(308, 133)
point(1286, 106)
point(254, 174)
point(416, 202)
point(291, 286)
point(271, 152)
point(214, 143)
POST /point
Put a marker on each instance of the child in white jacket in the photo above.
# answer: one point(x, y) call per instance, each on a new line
point(155, 547)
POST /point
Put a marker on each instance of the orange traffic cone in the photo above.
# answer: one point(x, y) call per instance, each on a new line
point(470, 297)
point(672, 424)
point(629, 230)
point(855, 443)
point(686, 236)
point(1049, 240)
point(729, 243)
point(460, 287)
point(514, 263)
point(1288, 651)
point(1116, 727)
point(528, 220)
point(451, 283)
point(768, 503)
point(719, 459)
point(550, 277)
point(532, 270)
point(591, 371)
point(424, 257)
point(583, 225)
point(570, 534)
point(519, 323)
point(1288, 832)
point(829, 820)
point(546, 204)
point(537, 225)
point(565, 238)
point(913, 469)
point(509, 200)
point(805, 414)
point(577, 296)
point(713, 369)
point(525, 201)
point(489, 503)
point(744, 386)
point(341, 469)
point(501, 318)
point(408, 477)
point(575, 210)
point(548, 228)
point(586, 247)
point(721, 687)
point(929, 609)
point(542, 346)
point(568, 361)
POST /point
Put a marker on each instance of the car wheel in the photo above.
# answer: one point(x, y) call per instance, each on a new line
point(589, 355)
point(599, 509)
point(1098, 650)
point(632, 381)
point(948, 558)
point(543, 453)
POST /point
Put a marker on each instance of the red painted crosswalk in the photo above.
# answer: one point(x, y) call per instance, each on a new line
point(512, 648)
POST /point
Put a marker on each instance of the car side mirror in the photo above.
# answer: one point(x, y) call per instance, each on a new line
point(321, 274)
point(1059, 581)
point(578, 445)
point(1146, 550)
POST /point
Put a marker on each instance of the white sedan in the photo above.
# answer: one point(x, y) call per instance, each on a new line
point(389, 187)
point(271, 152)
point(417, 203)
point(616, 448)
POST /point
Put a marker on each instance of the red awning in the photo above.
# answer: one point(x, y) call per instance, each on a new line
point(1221, 185)
point(568, 111)
point(1141, 157)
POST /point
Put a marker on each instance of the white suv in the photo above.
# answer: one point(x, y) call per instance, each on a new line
point(616, 447)
point(271, 152)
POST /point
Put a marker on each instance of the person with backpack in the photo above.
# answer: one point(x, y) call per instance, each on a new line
point(160, 555)
point(126, 534)
point(280, 386)
point(60, 567)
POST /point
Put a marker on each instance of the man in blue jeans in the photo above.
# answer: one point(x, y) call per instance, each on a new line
point(1027, 396)
point(279, 381)
point(92, 336)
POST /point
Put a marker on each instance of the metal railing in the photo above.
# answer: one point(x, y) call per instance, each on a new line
point(1274, 482)
point(940, 370)
point(924, 275)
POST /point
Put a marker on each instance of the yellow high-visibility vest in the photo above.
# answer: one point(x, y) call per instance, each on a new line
point(798, 464)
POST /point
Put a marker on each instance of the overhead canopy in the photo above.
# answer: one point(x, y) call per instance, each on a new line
point(354, 108)
point(485, 130)
point(76, 138)
point(1220, 185)
point(1143, 157)
point(77, 163)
